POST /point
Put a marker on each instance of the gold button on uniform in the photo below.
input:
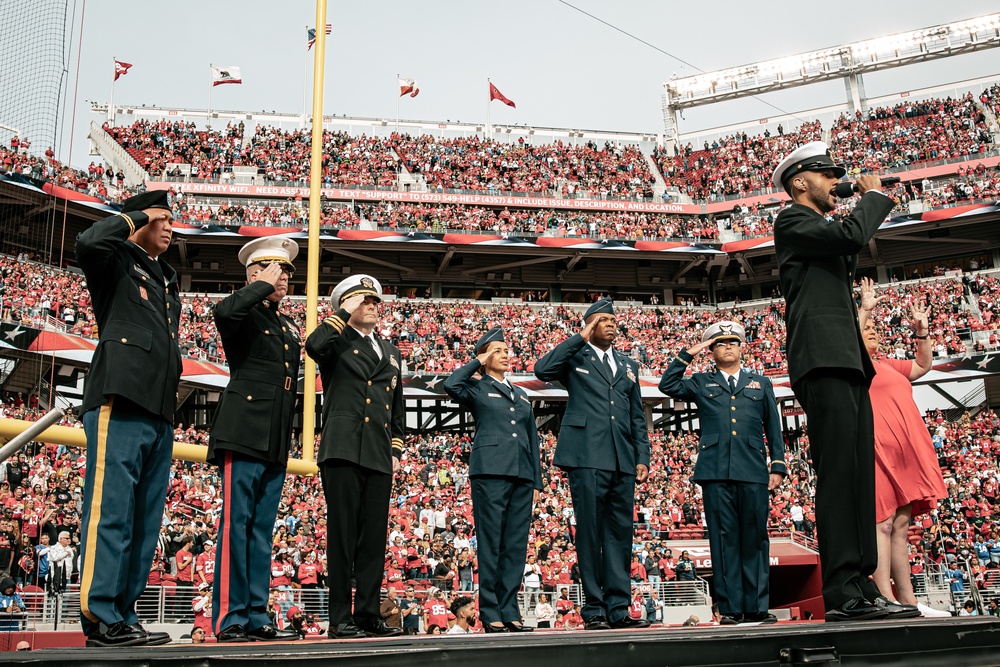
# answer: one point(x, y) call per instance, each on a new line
point(367, 420)
point(734, 408)
point(249, 398)
point(286, 347)
point(734, 421)
point(168, 305)
point(369, 383)
point(612, 417)
point(267, 331)
point(734, 432)
point(284, 329)
point(286, 364)
point(732, 398)
point(355, 352)
point(386, 406)
point(124, 340)
point(368, 400)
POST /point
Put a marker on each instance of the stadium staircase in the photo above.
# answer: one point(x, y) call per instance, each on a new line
point(408, 181)
point(991, 119)
point(128, 162)
point(660, 186)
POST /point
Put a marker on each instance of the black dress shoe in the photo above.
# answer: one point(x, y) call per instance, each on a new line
point(759, 617)
point(345, 631)
point(856, 609)
point(597, 623)
point(269, 633)
point(629, 623)
point(489, 627)
point(730, 619)
point(152, 638)
point(233, 633)
point(518, 627)
point(897, 610)
point(116, 634)
point(376, 627)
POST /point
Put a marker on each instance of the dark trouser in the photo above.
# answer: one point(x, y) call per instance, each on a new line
point(502, 510)
point(603, 502)
point(842, 444)
point(251, 490)
point(124, 491)
point(357, 501)
point(736, 513)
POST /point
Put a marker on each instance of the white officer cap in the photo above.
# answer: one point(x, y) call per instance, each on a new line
point(356, 284)
point(268, 250)
point(814, 156)
point(724, 330)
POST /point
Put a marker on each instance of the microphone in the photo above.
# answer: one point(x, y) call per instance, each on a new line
point(848, 189)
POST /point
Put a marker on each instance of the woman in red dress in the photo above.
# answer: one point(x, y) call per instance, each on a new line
point(908, 480)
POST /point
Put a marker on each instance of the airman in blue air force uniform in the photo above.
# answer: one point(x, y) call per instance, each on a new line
point(251, 436)
point(128, 407)
point(736, 410)
point(604, 449)
point(359, 451)
point(505, 475)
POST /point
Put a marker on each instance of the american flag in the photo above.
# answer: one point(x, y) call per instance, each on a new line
point(311, 35)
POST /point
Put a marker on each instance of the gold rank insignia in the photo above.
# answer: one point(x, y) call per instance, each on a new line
point(392, 360)
point(394, 381)
point(367, 282)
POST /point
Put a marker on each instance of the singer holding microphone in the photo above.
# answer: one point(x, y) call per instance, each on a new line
point(829, 367)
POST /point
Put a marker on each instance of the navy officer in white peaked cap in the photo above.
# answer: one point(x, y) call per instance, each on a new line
point(736, 410)
point(505, 476)
point(251, 436)
point(829, 367)
point(604, 449)
point(359, 451)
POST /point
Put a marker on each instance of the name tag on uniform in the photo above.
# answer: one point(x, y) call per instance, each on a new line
point(711, 384)
point(525, 399)
point(138, 269)
point(492, 395)
point(583, 370)
point(142, 293)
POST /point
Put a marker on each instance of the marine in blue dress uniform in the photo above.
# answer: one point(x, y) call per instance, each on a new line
point(250, 437)
point(736, 410)
point(359, 451)
point(128, 406)
point(505, 475)
point(604, 449)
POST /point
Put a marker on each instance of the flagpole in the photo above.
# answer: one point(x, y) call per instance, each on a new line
point(111, 105)
point(489, 102)
point(315, 219)
point(305, 80)
point(211, 85)
point(398, 95)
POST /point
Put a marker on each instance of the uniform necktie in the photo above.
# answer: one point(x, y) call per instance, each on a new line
point(510, 390)
point(607, 367)
point(732, 384)
point(378, 351)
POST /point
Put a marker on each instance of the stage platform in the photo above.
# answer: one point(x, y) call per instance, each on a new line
point(956, 642)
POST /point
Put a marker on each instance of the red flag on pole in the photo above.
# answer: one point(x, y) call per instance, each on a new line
point(497, 95)
point(121, 69)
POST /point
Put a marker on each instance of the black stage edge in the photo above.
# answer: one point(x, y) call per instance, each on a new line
point(957, 642)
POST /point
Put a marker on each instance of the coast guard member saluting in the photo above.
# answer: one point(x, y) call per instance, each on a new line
point(736, 409)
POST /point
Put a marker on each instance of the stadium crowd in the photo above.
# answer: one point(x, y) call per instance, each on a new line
point(434, 336)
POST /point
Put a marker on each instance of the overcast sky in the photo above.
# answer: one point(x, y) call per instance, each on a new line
point(562, 68)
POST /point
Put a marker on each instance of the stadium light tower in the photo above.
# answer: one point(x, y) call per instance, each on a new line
point(846, 62)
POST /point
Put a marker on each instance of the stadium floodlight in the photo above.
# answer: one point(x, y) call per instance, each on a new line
point(848, 61)
point(931, 43)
